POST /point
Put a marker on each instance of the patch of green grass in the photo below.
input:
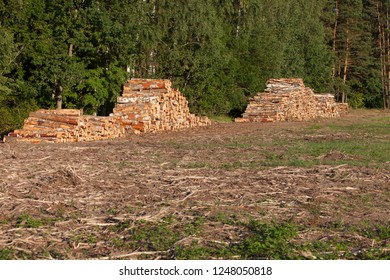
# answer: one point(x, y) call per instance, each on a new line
point(121, 226)
point(196, 251)
point(260, 240)
point(84, 237)
point(226, 219)
point(221, 119)
point(194, 227)
point(314, 127)
point(6, 254)
point(91, 239)
point(374, 127)
point(196, 165)
point(130, 209)
point(117, 242)
point(231, 165)
point(268, 241)
point(339, 247)
point(322, 250)
point(367, 200)
point(264, 240)
point(288, 158)
point(236, 142)
point(342, 249)
point(112, 211)
point(359, 144)
point(27, 221)
point(362, 144)
point(377, 232)
point(374, 254)
point(353, 152)
point(153, 237)
point(170, 219)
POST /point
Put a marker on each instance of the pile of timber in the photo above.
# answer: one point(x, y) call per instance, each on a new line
point(150, 105)
point(291, 100)
point(145, 106)
point(67, 125)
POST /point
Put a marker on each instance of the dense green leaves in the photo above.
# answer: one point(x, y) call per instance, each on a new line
point(77, 53)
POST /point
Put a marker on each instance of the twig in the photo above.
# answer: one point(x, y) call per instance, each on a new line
point(134, 254)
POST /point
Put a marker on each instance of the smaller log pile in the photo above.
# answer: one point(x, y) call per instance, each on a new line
point(290, 100)
point(67, 125)
point(150, 105)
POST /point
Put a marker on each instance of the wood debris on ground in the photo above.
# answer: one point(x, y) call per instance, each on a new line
point(291, 100)
point(146, 105)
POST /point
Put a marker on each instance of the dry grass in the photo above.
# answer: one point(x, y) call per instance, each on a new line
point(148, 196)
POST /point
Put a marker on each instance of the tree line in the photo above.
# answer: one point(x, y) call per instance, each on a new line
point(78, 53)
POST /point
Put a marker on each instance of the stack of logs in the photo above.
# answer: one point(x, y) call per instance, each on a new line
point(145, 106)
point(290, 100)
point(152, 105)
point(67, 125)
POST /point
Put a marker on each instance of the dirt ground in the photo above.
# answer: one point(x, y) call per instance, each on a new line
point(64, 200)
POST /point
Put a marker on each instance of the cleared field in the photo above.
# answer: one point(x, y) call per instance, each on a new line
point(311, 190)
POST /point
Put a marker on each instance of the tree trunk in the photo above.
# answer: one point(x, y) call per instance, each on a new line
point(388, 58)
point(381, 50)
point(57, 94)
point(238, 26)
point(334, 37)
point(59, 97)
point(70, 50)
point(384, 67)
point(346, 62)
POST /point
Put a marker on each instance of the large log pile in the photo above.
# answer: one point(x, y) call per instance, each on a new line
point(67, 125)
point(291, 100)
point(152, 105)
point(145, 106)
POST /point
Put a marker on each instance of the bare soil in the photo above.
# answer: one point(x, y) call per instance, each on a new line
point(68, 201)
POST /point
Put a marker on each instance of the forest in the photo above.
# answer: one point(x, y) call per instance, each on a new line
point(78, 53)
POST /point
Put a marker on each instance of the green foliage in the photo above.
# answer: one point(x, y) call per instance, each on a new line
point(13, 113)
point(268, 241)
point(356, 101)
point(27, 221)
point(6, 254)
point(378, 232)
point(158, 238)
point(264, 240)
point(196, 251)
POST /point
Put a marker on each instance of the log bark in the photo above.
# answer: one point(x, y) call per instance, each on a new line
point(57, 118)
